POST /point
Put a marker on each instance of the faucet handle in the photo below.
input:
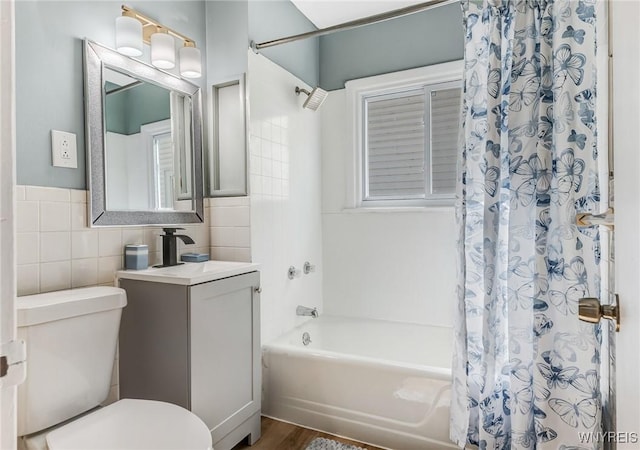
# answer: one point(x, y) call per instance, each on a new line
point(293, 273)
point(169, 231)
point(308, 268)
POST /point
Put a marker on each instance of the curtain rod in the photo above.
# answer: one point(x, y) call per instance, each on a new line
point(352, 24)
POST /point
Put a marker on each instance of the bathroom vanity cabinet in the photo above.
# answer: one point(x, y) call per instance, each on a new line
point(195, 344)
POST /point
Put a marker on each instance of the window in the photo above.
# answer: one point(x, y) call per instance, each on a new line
point(407, 127)
point(163, 169)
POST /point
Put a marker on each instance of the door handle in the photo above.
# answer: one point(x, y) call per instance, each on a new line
point(4, 366)
point(587, 219)
point(590, 310)
point(13, 364)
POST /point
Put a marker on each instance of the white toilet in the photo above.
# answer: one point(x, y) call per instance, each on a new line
point(71, 343)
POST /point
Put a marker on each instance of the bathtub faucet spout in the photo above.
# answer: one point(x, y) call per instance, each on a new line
point(304, 311)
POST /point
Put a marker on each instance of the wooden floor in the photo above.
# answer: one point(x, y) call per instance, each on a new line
point(278, 435)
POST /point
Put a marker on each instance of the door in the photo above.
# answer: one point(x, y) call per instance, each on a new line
point(225, 355)
point(625, 40)
point(12, 366)
point(607, 241)
point(620, 379)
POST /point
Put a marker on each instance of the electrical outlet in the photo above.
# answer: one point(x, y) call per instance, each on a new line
point(63, 149)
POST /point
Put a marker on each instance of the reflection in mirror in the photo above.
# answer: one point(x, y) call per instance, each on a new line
point(144, 136)
point(147, 159)
point(229, 165)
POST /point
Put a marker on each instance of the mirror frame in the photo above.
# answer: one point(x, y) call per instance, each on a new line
point(96, 58)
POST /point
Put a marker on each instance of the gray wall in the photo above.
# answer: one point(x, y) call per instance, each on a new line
point(269, 20)
point(227, 39)
point(49, 76)
point(227, 44)
point(129, 109)
point(430, 37)
point(233, 24)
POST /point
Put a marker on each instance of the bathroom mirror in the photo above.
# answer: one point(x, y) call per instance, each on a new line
point(144, 138)
point(229, 138)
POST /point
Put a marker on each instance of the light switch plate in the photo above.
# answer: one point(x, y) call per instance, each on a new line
point(64, 152)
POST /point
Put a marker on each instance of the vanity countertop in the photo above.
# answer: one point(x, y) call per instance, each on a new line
point(190, 273)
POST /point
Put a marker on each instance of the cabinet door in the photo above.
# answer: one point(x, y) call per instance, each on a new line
point(154, 342)
point(225, 352)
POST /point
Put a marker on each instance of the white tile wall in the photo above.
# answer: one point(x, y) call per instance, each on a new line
point(55, 216)
point(54, 276)
point(46, 194)
point(57, 250)
point(285, 188)
point(230, 231)
point(28, 216)
point(29, 246)
point(110, 242)
point(54, 246)
point(84, 244)
point(391, 266)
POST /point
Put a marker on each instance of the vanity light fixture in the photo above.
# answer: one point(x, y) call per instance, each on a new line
point(129, 39)
point(128, 35)
point(190, 66)
point(163, 50)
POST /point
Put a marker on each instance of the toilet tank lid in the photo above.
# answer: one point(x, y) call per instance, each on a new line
point(50, 306)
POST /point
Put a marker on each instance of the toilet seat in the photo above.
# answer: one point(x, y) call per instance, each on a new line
point(134, 425)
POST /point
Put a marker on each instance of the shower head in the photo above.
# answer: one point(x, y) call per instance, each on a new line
point(315, 98)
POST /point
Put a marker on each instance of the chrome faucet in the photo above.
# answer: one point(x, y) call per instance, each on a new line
point(304, 311)
point(170, 246)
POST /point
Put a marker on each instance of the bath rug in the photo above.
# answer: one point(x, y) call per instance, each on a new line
point(330, 444)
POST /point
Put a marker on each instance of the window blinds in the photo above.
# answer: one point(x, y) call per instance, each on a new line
point(445, 124)
point(404, 158)
point(163, 147)
point(395, 146)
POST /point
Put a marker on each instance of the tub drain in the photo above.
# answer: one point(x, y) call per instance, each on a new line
point(306, 338)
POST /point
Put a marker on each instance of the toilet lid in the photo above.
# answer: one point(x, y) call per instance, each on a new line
point(134, 425)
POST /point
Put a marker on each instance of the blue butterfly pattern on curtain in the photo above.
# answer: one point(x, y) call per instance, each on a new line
point(525, 369)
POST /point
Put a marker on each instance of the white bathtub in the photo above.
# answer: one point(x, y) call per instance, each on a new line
point(382, 383)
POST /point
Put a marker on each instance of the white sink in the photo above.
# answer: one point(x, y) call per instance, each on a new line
point(190, 273)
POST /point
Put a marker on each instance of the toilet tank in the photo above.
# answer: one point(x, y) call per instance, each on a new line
point(71, 341)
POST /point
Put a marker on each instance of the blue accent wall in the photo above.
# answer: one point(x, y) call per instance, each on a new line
point(430, 37)
point(49, 73)
point(127, 110)
point(269, 20)
point(227, 39)
point(49, 62)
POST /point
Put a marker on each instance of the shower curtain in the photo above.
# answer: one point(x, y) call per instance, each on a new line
point(525, 370)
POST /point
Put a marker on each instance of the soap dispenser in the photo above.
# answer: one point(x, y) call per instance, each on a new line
point(170, 246)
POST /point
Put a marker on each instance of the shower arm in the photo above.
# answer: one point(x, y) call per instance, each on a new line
point(299, 89)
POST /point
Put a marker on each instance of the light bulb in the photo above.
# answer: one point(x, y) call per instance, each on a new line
point(163, 51)
point(128, 36)
point(190, 64)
